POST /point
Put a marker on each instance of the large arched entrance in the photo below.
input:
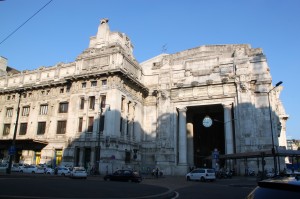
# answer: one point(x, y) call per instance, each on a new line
point(203, 140)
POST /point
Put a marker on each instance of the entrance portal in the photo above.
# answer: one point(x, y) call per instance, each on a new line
point(209, 137)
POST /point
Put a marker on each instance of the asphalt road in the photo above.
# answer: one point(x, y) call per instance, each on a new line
point(57, 187)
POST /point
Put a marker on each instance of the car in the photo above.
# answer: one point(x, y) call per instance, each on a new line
point(32, 169)
point(124, 175)
point(201, 174)
point(15, 167)
point(64, 171)
point(277, 188)
point(48, 170)
point(78, 172)
point(3, 167)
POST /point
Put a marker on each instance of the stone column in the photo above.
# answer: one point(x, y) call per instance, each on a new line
point(182, 137)
point(228, 129)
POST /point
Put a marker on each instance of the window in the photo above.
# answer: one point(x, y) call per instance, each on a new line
point(41, 128)
point(102, 117)
point(93, 83)
point(92, 102)
point(63, 107)
point(6, 129)
point(23, 129)
point(9, 112)
point(82, 103)
point(80, 124)
point(61, 127)
point(44, 109)
point(103, 101)
point(61, 90)
point(8, 97)
point(122, 104)
point(121, 125)
point(25, 111)
point(104, 83)
point(91, 124)
point(83, 85)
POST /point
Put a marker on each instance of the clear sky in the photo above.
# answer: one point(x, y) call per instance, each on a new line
point(61, 31)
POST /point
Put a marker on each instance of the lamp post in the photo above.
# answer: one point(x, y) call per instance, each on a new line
point(271, 123)
point(12, 149)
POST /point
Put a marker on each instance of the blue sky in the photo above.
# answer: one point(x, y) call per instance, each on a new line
point(61, 31)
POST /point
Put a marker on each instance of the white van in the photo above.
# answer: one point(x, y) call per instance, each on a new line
point(201, 174)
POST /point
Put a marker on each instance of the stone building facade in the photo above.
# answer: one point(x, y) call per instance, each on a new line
point(174, 111)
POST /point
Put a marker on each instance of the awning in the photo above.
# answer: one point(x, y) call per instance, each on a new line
point(24, 144)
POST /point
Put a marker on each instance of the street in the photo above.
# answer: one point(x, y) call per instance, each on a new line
point(45, 186)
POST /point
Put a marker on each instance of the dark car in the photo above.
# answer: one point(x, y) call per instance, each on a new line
point(279, 187)
point(126, 175)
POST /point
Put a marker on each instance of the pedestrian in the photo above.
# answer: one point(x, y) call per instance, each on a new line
point(156, 173)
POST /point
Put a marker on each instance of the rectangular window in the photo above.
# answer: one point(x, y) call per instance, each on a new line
point(61, 127)
point(92, 102)
point(43, 109)
point(9, 112)
point(82, 103)
point(63, 107)
point(102, 118)
point(80, 124)
point(41, 128)
point(104, 83)
point(83, 85)
point(61, 90)
point(122, 104)
point(91, 124)
point(6, 129)
point(103, 101)
point(25, 111)
point(23, 129)
point(93, 83)
point(121, 125)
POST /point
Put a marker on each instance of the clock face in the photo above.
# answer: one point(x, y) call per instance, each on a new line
point(207, 121)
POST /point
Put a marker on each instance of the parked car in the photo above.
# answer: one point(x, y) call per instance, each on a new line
point(49, 170)
point(32, 169)
point(15, 167)
point(124, 175)
point(3, 167)
point(78, 172)
point(201, 174)
point(64, 171)
point(277, 188)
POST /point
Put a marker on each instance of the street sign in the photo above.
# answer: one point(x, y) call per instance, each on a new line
point(216, 155)
point(12, 150)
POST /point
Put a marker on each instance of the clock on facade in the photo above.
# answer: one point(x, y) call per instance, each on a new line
point(207, 121)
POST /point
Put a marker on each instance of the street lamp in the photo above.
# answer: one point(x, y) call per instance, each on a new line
point(12, 149)
point(271, 123)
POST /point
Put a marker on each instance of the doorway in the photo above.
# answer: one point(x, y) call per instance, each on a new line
point(207, 138)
